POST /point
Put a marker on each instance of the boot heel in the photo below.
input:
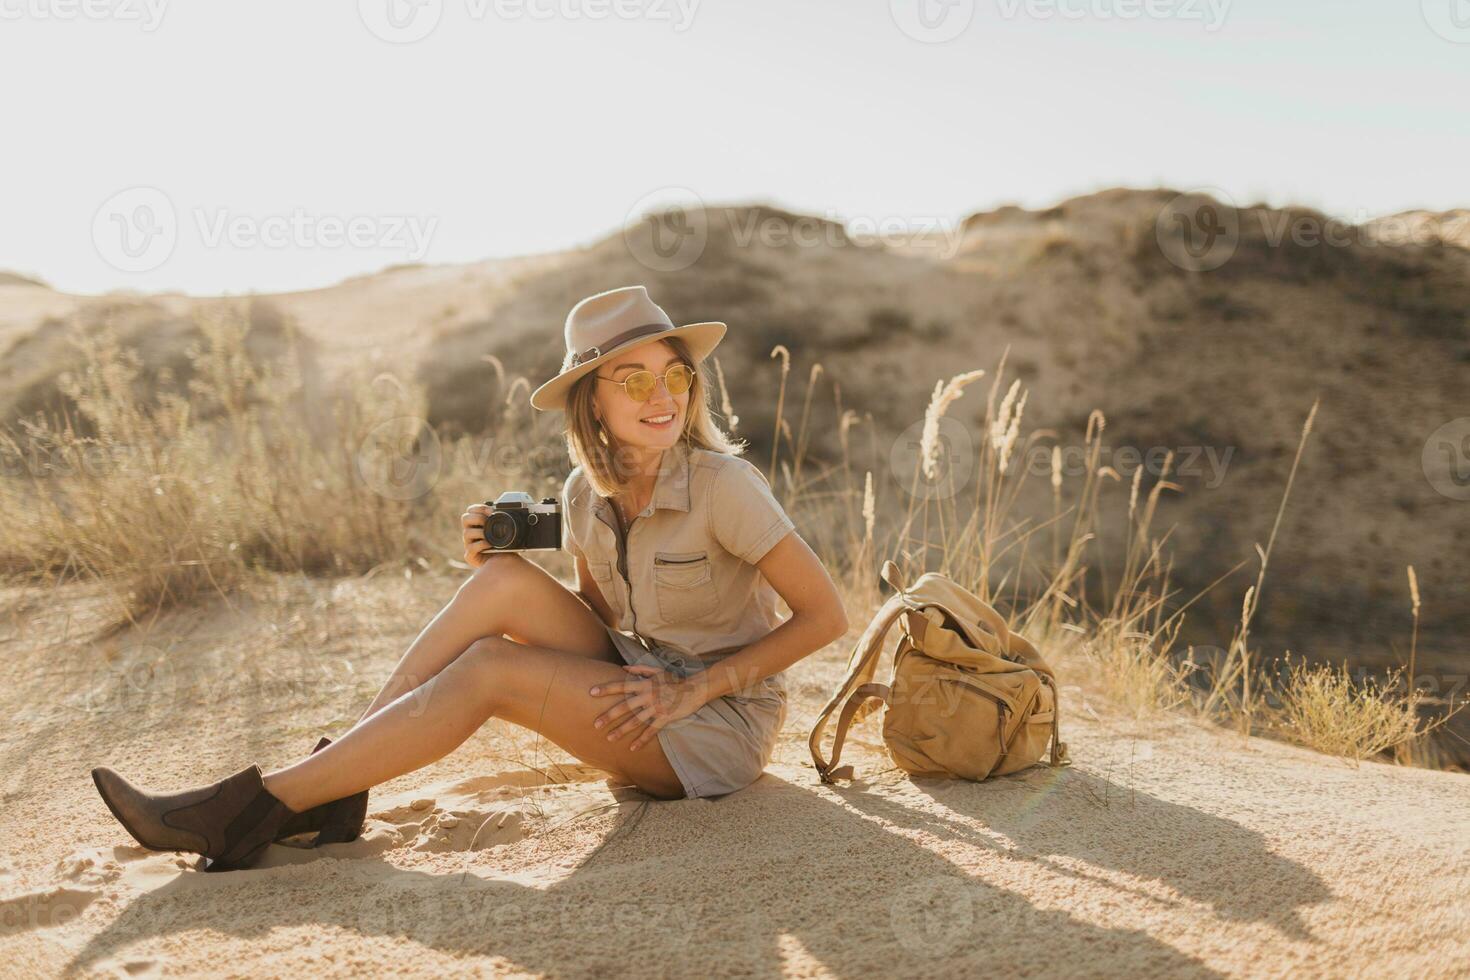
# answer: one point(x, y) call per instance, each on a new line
point(338, 822)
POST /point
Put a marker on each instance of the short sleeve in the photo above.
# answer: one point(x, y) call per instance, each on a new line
point(745, 516)
point(568, 540)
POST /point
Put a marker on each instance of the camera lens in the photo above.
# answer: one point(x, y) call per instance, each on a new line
point(500, 530)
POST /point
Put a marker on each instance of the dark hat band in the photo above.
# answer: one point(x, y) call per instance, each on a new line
point(619, 340)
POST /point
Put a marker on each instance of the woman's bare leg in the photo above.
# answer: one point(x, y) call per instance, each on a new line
point(540, 688)
point(508, 595)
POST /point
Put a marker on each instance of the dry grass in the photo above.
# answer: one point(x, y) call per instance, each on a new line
point(191, 495)
point(175, 497)
point(1325, 709)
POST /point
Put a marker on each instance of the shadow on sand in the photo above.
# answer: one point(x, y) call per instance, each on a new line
point(839, 872)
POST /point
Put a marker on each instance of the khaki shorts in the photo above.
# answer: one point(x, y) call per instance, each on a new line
point(727, 743)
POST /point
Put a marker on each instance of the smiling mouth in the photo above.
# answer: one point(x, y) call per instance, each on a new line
point(659, 419)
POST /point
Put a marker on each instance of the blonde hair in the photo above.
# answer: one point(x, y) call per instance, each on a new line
point(596, 450)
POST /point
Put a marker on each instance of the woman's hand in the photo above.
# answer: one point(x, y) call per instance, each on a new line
point(472, 523)
point(653, 698)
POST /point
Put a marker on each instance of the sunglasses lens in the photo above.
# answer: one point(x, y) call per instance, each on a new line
point(679, 378)
point(640, 385)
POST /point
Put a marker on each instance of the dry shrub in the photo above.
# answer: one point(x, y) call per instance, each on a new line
point(1324, 708)
point(171, 500)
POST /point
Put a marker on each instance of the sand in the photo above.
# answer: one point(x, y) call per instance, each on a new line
point(1169, 848)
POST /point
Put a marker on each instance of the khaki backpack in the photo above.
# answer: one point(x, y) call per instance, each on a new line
point(968, 698)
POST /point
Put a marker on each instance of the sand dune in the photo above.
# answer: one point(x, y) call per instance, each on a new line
point(1168, 848)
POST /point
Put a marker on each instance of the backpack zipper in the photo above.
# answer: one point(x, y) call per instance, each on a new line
point(1002, 707)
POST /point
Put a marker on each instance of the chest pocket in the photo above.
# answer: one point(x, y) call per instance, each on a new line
point(685, 585)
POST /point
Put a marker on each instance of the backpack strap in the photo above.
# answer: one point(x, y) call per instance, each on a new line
point(1059, 756)
point(844, 720)
point(861, 665)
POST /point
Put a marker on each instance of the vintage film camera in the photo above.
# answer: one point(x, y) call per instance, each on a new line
point(517, 523)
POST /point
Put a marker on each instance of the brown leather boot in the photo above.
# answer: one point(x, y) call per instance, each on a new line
point(337, 822)
point(230, 822)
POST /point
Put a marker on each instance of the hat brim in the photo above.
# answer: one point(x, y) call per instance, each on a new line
point(701, 338)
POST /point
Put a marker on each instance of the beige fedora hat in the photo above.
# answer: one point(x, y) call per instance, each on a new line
point(607, 324)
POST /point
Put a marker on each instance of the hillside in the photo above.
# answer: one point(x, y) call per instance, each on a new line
point(1167, 848)
point(1219, 366)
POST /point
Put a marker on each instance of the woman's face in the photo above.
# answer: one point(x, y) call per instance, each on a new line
point(627, 419)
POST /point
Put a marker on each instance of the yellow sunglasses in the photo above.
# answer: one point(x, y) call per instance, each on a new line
point(640, 384)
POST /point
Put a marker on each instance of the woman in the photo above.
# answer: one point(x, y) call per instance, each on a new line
point(665, 667)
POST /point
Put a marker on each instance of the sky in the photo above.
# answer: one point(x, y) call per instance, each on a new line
point(268, 146)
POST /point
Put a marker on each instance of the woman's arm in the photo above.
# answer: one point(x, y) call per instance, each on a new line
point(817, 619)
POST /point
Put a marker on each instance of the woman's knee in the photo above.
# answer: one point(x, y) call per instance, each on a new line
point(495, 577)
point(484, 666)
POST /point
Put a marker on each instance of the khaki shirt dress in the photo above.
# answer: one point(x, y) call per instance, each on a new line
point(685, 591)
